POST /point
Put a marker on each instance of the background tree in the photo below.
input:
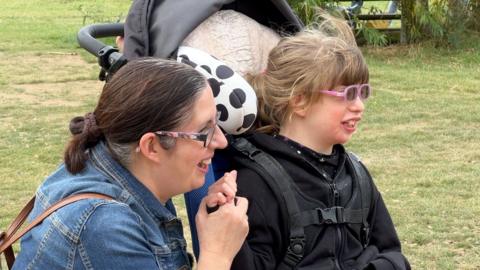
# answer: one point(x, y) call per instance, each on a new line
point(408, 20)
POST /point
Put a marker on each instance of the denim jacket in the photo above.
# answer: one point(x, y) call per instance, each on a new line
point(132, 231)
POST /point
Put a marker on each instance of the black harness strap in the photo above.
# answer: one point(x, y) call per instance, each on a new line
point(280, 180)
point(333, 215)
point(366, 190)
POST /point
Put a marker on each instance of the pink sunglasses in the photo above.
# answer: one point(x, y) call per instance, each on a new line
point(351, 92)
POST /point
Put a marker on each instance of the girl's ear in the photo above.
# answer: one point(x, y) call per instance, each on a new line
point(149, 147)
point(298, 105)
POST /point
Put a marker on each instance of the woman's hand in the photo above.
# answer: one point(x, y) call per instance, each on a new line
point(221, 233)
point(223, 190)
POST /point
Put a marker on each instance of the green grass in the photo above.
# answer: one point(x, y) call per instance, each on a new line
point(419, 137)
point(37, 25)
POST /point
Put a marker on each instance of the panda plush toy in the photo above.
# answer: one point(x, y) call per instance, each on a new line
point(235, 99)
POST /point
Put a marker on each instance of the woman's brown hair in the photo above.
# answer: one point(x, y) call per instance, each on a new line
point(145, 95)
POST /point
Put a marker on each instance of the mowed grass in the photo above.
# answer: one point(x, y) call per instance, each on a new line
point(419, 136)
point(33, 25)
point(420, 139)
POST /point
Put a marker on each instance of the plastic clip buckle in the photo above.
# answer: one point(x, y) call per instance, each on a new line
point(295, 251)
point(331, 215)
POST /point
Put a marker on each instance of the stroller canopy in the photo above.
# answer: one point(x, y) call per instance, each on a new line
point(157, 28)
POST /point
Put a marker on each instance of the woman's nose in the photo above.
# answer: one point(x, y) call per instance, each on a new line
point(218, 141)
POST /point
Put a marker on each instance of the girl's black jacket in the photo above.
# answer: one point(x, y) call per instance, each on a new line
point(333, 246)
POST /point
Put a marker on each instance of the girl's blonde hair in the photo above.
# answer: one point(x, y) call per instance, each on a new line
point(318, 58)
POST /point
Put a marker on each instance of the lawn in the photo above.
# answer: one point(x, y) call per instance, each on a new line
point(420, 136)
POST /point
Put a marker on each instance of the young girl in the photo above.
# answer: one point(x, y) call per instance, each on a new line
point(312, 96)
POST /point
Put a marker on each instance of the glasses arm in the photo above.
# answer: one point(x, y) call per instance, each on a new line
point(333, 93)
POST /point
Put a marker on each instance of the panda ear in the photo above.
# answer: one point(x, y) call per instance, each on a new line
point(235, 98)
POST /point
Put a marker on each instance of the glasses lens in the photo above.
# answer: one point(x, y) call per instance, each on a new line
point(211, 132)
point(364, 91)
point(351, 93)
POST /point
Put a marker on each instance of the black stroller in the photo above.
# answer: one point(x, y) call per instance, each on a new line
point(149, 31)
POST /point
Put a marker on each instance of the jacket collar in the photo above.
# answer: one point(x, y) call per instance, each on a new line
point(102, 159)
point(284, 147)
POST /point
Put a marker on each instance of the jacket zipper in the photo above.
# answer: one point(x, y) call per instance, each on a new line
point(335, 202)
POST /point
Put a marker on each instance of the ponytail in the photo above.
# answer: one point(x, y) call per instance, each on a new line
point(86, 134)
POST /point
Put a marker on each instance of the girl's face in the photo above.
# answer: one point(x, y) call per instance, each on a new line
point(186, 164)
point(329, 121)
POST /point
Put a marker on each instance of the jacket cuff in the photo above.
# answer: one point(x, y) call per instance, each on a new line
point(380, 264)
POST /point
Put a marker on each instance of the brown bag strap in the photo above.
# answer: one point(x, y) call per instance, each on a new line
point(10, 236)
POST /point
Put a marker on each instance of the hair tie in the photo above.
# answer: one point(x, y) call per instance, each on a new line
point(89, 122)
point(85, 125)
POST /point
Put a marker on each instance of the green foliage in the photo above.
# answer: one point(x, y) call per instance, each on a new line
point(445, 22)
point(473, 21)
point(430, 20)
point(308, 11)
point(372, 36)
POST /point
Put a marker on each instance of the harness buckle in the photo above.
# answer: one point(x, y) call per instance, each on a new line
point(333, 215)
point(295, 251)
point(365, 235)
point(242, 145)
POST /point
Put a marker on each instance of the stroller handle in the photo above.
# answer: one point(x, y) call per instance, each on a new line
point(108, 57)
point(87, 36)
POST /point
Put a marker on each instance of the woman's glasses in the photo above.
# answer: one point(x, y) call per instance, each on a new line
point(205, 137)
point(351, 92)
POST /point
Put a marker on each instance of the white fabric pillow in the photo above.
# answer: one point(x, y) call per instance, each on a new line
point(236, 39)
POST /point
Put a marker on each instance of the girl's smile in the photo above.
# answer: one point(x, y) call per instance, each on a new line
point(351, 124)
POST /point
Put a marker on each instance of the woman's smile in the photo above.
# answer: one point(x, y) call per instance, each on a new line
point(203, 165)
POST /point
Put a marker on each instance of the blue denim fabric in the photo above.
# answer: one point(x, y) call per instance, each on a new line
point(134, 231)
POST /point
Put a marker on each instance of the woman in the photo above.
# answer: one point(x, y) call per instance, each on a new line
point(151, 137)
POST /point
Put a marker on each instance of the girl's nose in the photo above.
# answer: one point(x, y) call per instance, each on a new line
point(357, 105)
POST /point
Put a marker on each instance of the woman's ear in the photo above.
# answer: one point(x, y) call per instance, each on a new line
point(149, 147)
point(298, 105)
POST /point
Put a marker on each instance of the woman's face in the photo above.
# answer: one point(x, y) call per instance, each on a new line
point(186, 163)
